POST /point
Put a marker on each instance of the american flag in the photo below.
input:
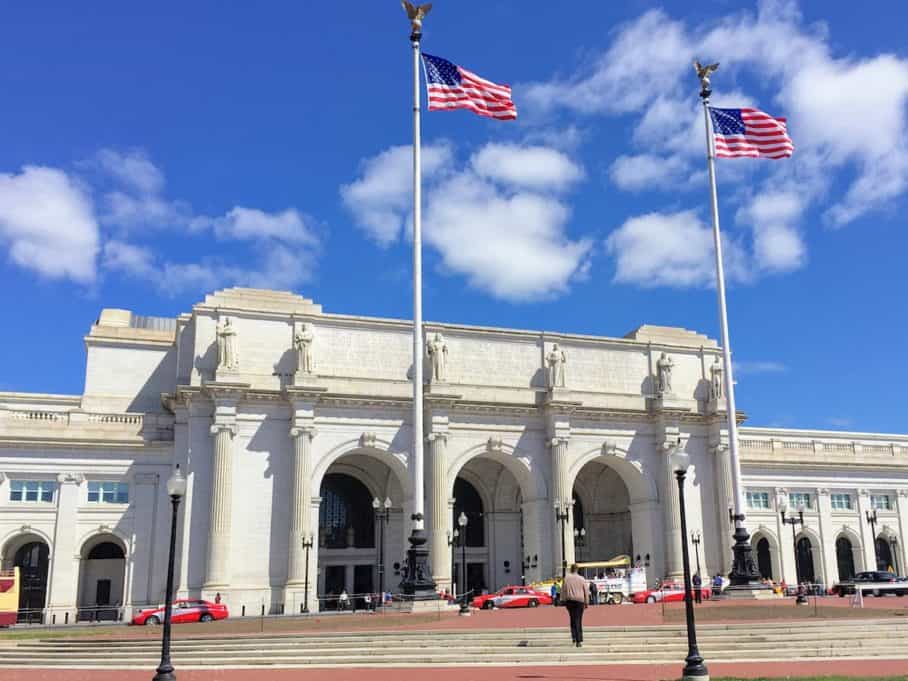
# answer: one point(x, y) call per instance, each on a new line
point(453, 87)
point(749, 132)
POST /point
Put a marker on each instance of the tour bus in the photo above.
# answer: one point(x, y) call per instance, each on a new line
point(616, 581)
point(9, 596)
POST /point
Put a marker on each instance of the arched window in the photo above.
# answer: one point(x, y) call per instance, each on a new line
point(106, 551)
point(764, 560)
point(805, 561)
point(468, 501)
point(884, 555)
point(844, 553)
point(345, 518)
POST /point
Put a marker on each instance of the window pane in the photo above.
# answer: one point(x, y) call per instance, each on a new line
point(123, 493)
point(15, 490)
point(47, 492)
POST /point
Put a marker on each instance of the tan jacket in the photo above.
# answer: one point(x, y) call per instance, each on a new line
point(575, 588)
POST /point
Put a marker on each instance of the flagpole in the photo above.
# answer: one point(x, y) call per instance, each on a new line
point(417, 584)
point(744, 573)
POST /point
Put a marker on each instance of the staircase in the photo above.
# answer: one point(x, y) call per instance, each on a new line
point(653, 644)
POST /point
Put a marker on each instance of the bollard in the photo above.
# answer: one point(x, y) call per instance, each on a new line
point(66, 617)
point(244, 612)
point(53, 618)
point(263, 609)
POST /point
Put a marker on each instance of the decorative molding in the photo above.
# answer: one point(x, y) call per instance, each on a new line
point(902, 492)
point(560, 440)
point(218, 427)
point(439, 436)
point(609, 448)
point(104, 528)
point(494, 443)
point(863, 492)
point(70, 478)
point(823, 490)
point(25, 528)
point(297, 431)
point(368, 440)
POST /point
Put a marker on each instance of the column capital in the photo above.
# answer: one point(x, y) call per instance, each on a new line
point(558, 440)
point(70, 478)
point(218, 427)
point(823, 491)
point(297, 431)
point(902, 493)
point(863, 492)
point(440, 436)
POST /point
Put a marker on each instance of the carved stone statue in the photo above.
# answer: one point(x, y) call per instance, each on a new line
point(664, 368)
point(416, 13)
point(228, 357)
point(703, 73)
point(302, 343)
point(555, 362)
point(438, 352)
point(716, 385)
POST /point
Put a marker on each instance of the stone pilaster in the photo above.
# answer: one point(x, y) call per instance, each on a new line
point(562, 491)
point(64, 567)
point(902, 549)
point(300, 502)
point(146, 497)
point(827, 536)
point(867, 539)
point(437, 515)
point(724, 502)
point(218, 565)
point(674, 568)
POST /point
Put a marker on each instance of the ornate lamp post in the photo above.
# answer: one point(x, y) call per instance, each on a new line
point(176, 488)
point(579, 538)
point(894, 543)
point(462, 521)
point(307, 544)
point(694, 669)
point(452, 542)
point(525, 565)
point(562, 513)
point(872, 519)
point(696, 538)
point(382, 515)
point(782, 502)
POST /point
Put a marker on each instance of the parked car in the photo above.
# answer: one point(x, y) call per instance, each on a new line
point(846, 587)
point(184, 610)
point(512, 597)
point(668, 592)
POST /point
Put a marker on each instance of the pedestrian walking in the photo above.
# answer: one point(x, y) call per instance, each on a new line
point(698, 588)
point(575, 591)
point(594, 594)
point(554, 593)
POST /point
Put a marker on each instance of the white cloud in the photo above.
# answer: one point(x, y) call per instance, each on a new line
point(777, 244)
point(759, 367)
point(532, 167)
point(244, 224)
point(670, 249)
point(382, 196)
point(132, 168)
point(48, 224)
point(646, 171)
point(497, 220)
point(125, 257)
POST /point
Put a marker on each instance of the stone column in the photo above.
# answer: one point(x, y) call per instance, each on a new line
point(827, 536)
point(63, 571)
point(673, 565)
point(218, 566)
point(437, 514)
point(144, 550)
point(561, 491)
point(724, 501)
point(902, 550)
point(300, 503)
point(867, 538)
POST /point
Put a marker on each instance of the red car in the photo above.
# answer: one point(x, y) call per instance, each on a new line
point(512, 597)
point(184, 610)
point(668, 592)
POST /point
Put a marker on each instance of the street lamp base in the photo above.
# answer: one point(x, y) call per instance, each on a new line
point(165, 673)
point(744, 571)
point(417, 584)
point(694, 669)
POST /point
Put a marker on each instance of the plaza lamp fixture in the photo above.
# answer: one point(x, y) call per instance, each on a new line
point(696, 538)
point(562, 513)
point(872, 519)
point(694, 668)
point(452, 542)
point(308, 540)
point(782, 502)
point(894, 543)
point(462, 522)
point(382, 515)
point(176, 489)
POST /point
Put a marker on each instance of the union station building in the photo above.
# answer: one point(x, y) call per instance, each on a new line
point(290, 422)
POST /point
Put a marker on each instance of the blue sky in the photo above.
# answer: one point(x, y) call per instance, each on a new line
point(153, 154)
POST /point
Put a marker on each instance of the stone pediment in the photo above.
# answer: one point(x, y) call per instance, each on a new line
point(261, 300)
point(671, 335)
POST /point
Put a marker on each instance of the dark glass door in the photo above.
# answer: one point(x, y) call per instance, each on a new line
point(32, 560)
point(335, 582)
point(476, 578)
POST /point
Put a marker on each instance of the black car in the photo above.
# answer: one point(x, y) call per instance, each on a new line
point(873, 576)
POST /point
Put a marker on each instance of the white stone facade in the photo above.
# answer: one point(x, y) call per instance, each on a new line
point(257, 425)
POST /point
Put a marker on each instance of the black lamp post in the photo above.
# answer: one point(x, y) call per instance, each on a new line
point(562, 513)
point(693, 663)
point(307, 544)
point(176, 488)
point(382, 515)
point(525, 565)
point(464, 606)
point(579, 540)
point(452, 544)
point(782, 502)
point(894, 544)
point(696, 538)
point(872, 519)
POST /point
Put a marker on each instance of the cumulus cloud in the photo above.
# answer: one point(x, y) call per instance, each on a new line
point(48, 224)
point(497, 220)
point(759, 367)
point(645, 73)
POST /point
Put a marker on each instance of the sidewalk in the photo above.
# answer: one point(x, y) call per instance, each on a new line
point(859, 668)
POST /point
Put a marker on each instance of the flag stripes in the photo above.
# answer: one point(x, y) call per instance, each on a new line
point(749, 133)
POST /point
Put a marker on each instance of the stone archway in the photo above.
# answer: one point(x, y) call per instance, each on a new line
point(102, 578)
point(767, 552)
point(603, 502)
point(844, 553)
point(31, 554)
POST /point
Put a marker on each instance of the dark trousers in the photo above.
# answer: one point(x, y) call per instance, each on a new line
point(575, 612)
point(698, 594)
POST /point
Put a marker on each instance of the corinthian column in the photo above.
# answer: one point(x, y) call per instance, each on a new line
point(218, 574)
point(300, 502)
point(672, 506)
point(562, 492)
point(438, 514)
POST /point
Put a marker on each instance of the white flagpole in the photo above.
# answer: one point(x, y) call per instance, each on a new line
point(743, 570)
point(418, 492)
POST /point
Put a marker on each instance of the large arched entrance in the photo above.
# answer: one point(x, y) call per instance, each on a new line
point(360, 547)
point(764, 559)
point(31, 555)
point(884, 555)
point(102, 578)
point(601, 514)
point(804, 558)
point(844, 554)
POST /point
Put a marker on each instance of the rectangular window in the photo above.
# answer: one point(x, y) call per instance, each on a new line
point(841, 502)
point(880, 502)
point(32, 490)
point(108, 492)
point(758, 499)
point(798, 499)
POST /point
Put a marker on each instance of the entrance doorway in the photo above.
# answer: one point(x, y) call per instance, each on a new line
point(805, 561)
point(32, 561)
